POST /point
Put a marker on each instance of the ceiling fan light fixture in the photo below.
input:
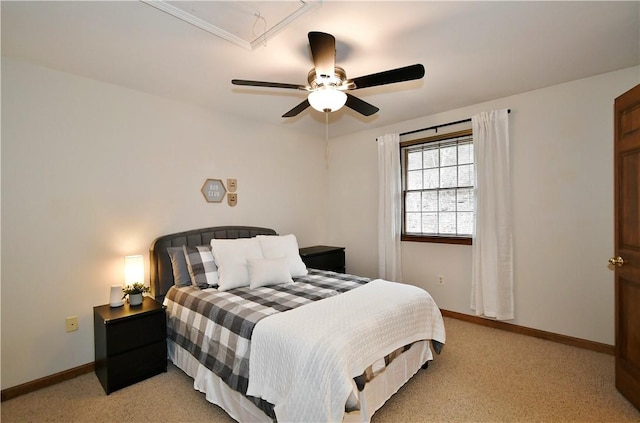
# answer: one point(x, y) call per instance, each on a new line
point(327, 89)
point(327, 99)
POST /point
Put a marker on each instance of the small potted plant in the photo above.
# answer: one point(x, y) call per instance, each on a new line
point(135, 292)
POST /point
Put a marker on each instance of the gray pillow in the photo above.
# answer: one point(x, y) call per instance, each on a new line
point(181, 275)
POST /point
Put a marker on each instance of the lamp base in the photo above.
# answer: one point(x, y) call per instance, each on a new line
point(117, 304)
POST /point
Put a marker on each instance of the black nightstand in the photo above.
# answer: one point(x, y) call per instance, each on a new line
point(130, 343)
point(324, 257)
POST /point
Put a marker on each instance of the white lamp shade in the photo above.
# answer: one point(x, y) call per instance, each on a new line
point(133, 269)
point(327, 99)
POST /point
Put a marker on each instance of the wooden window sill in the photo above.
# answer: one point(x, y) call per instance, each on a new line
point(438, 239)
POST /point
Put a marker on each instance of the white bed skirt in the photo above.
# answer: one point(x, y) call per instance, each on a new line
point(374, 395)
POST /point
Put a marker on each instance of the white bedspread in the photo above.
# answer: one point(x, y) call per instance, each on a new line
point(303, 361)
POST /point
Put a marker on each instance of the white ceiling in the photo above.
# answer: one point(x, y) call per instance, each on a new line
point(472, 52)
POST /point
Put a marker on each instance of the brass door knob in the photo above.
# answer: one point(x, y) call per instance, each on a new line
point(616, 261)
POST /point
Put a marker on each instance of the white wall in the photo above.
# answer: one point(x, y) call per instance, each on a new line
point(562, 181)
point(92, 172)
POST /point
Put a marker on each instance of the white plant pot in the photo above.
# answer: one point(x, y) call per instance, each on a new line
point(135, 299)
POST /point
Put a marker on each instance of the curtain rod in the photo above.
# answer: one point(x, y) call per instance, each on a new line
point(441, 125)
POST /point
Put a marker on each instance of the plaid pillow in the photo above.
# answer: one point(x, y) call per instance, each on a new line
point(201, 265)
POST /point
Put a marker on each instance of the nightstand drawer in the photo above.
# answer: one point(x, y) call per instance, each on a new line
point(124, 335)
point(133, 366)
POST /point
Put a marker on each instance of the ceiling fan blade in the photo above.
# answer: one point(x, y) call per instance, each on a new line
point(360, 106)
point(323, 50)
point(406, 73)
point(296, 110)
point(268, 84)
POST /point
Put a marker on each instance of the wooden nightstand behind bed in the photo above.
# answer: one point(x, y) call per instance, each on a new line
point(324, 257)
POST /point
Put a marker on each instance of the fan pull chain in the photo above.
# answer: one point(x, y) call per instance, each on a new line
point(326, 127)
point(326, 138)
point(258, 18)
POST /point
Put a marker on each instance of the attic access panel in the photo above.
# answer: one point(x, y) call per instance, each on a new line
point(248, 24)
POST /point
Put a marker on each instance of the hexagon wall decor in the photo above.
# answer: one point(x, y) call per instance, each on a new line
point(213, 190)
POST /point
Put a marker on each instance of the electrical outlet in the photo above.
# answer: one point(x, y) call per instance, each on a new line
point(72, 323)
point(232, 199)
point(441, 279)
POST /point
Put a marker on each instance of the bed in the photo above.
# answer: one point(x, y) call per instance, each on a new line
point(267, 339)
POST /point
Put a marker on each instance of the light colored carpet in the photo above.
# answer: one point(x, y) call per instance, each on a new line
point(482, 375)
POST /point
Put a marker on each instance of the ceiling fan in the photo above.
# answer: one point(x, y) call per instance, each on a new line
point(328, 83)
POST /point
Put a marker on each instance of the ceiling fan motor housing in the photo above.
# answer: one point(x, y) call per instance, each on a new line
point(336, 80)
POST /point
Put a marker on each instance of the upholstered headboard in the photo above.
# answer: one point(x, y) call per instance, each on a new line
point(161, 270)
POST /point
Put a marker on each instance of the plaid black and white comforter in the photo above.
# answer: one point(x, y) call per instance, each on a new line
point(216, 327)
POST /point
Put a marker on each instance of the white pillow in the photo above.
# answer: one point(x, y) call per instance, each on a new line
point(231, 257)
point(264, 272)
point(274, 246)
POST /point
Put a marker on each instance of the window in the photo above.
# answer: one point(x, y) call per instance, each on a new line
point(438, 188)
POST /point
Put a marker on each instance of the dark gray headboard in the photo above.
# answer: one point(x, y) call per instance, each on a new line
point(161, 270)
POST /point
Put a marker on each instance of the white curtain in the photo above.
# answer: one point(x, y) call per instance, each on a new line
point(389, 208)
point(492, 271)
